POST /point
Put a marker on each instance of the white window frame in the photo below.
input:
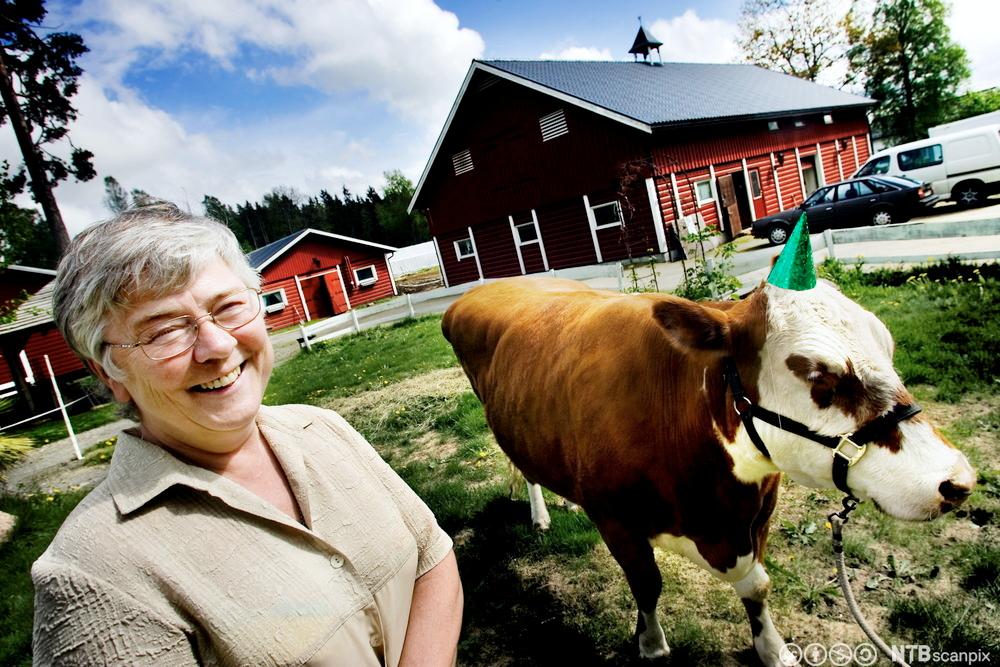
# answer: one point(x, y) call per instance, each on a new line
point(517, 231)
point(697, 194)
point(365, 282)
point(609, 225)
point(458, 250)
point(274, 307)
point(754, 175)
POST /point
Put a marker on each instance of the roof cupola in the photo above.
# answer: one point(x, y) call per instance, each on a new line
point(643, 44)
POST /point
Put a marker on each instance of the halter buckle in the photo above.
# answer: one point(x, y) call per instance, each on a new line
point(852, 458)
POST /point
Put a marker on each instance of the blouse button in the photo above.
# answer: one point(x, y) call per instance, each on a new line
point(337, 561)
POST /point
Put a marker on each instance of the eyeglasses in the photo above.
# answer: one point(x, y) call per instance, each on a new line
point(172, 337)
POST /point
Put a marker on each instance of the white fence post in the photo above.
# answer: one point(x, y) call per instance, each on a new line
point(62, 408)
point(621, 277)
point(354, 317)
point(305, 337)
point(828, 237)
point(409, 304)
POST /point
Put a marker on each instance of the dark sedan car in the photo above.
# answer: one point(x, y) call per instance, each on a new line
point(872, 200)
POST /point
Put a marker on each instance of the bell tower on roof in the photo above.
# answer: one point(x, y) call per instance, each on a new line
point(643, 44)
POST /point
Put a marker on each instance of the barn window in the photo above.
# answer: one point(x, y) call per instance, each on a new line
point(799, 123)
point(464, 249)
point(365, 276)
point(462, 161)
point(526, 233)
point(274, 301)
point(828, 119)
point(553, 125)
point(772, 125)
point(703, 192)
point(607, 215)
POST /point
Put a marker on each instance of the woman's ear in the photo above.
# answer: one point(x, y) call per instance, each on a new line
point(118, 390)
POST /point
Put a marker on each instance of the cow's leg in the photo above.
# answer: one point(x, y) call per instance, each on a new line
point(753, 590)
point(634, 553)
point(539, 513)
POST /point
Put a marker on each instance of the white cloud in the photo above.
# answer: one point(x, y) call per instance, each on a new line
point(690, 38)
point(369, 57)
point(973, 25)
point(578, 53)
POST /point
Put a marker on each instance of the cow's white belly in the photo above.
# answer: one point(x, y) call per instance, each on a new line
point(687, 548)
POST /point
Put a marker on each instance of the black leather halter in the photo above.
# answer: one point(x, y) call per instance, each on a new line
point(847, 448)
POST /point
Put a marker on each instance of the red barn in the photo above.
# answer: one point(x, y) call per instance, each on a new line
point(553, 164)
point(312, 274)
point(31, 334)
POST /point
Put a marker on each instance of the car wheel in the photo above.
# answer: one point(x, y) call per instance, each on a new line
point(882, 217)
point(969, 194)
point(777, 234)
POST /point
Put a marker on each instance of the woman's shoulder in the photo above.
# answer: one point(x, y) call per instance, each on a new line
point(83, 537)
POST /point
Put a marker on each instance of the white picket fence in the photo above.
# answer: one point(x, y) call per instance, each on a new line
point(434, 301)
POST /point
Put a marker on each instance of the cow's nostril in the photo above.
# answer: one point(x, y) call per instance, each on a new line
point(952, 492)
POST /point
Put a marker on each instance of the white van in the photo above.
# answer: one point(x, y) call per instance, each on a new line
point(963, 165)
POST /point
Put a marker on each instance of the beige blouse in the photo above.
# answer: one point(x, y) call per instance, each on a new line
point(170, 564)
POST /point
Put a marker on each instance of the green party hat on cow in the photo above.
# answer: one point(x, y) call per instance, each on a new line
point(794, 269)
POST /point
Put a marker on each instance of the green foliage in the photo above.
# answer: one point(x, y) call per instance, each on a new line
point(798, 37)
point(944, 623)
point(115, 196)
point(709, 277)
point(973, 103)
point(373, 217)
point(24, 237)
point(12, 449)
point(906, 60)
point(100, 453)
point(44, 74)
point(948, 334)
point(374, 357)
point(38, 518)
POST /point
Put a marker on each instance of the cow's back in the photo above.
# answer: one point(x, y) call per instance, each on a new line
point(581, 387)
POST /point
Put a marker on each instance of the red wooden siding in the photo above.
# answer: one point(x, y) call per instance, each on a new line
point(495, 246)
point(531, 254)
point(566, 232)
point(44, 341)
point(458, 271)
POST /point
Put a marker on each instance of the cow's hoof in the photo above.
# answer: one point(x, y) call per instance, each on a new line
point(654, 653)
point(652, 643)
point(542, 524)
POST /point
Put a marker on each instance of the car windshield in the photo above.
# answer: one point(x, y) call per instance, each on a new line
point(821, 196)
point(877, 166)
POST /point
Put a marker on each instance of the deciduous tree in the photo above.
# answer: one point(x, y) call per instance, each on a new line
point(906, 59)
point(798, 37)
point(38, 77)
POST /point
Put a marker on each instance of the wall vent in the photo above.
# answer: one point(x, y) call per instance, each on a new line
point(462, 161)
point(553, 125)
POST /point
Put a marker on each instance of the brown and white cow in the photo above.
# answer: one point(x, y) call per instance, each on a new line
point(619, 404)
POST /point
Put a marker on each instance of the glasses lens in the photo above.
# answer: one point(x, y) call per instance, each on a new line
point(237, 309)
point(172, 337)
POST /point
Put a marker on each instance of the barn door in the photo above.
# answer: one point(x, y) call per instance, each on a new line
point(333, 287)
point(730, 205)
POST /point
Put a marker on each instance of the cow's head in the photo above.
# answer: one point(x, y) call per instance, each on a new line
point(827, 362)
point(820, 359)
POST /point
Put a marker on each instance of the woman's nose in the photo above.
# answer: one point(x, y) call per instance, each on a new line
point(213, 342)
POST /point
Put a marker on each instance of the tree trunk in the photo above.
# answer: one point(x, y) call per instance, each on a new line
point(40, 187)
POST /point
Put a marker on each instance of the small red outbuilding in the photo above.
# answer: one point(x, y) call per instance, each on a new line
point(313, 274)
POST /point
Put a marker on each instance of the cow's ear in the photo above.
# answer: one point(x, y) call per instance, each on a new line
point(693, 326)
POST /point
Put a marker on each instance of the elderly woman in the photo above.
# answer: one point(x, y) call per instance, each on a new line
point(226, 532)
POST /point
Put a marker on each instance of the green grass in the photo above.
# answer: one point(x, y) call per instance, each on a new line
point(352, 364)
point(54, 428)
point(100, 453)
point(38, 519)
point(562, 596)
point(12, 448)
point(945, 319)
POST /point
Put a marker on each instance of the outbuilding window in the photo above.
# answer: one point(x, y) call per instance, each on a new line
point(607, 215)
point(703, 192)
point(365, 276)
point(526, 233)
point(464, 249)
point(274, 301)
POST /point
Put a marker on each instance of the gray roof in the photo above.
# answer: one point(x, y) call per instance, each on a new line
point(680, 92)
point(34, 312)
point(264, 255)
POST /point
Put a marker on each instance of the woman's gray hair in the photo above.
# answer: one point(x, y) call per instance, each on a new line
point(142, 253)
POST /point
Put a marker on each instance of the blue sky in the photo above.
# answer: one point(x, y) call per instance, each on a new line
point(183, 98)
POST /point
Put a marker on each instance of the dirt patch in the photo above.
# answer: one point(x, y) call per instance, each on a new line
point(420, 281)
point(383, 402)
point(7, 522)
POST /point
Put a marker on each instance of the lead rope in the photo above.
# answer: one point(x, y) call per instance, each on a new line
point(837, 521)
